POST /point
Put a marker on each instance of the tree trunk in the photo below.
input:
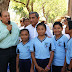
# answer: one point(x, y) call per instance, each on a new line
point(70, 8)
point(27, 6)
point(32, 6)
point(4, 5)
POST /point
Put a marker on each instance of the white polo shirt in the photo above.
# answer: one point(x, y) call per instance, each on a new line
point(33, 32)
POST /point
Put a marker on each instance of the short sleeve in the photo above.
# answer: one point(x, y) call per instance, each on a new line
point(71, 51)
point(32, 46)
point(52, 45)
point(65, 43)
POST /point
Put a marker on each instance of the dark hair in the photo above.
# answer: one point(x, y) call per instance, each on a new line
point(68, 18)
point(26, 19)
point(24, 30)
point(36, 14)
point(57, 23)
point(70, 25)
point(42, 21)
point(23, 19)
point(42, 25)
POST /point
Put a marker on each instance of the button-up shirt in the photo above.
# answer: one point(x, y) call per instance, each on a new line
point(6, 39)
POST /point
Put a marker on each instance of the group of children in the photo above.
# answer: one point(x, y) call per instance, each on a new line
point(46, 53)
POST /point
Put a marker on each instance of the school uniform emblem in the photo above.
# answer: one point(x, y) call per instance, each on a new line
point(28, 48)
point(46, 45)
point(59, 44)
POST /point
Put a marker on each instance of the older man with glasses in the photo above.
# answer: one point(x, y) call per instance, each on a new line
point(22, 23)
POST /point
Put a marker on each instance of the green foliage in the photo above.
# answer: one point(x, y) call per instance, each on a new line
point(52, 8)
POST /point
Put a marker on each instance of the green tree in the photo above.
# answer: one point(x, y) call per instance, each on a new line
point(49, 9)
point(22, 7)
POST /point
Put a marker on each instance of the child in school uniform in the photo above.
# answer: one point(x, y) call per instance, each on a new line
point(68, 30)
point(40, 50)
point(60, 42)
point(23, 53)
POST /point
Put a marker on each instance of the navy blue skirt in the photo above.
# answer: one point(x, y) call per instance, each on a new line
point(24, 65)
point(42, 63)
point(56, 68)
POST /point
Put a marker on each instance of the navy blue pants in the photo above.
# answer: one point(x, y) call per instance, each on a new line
point(24, 65)
point(56, 68)
point(42, 63)
point(8, 56)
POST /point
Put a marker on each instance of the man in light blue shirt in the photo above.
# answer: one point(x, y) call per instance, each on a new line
point(9, 34)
